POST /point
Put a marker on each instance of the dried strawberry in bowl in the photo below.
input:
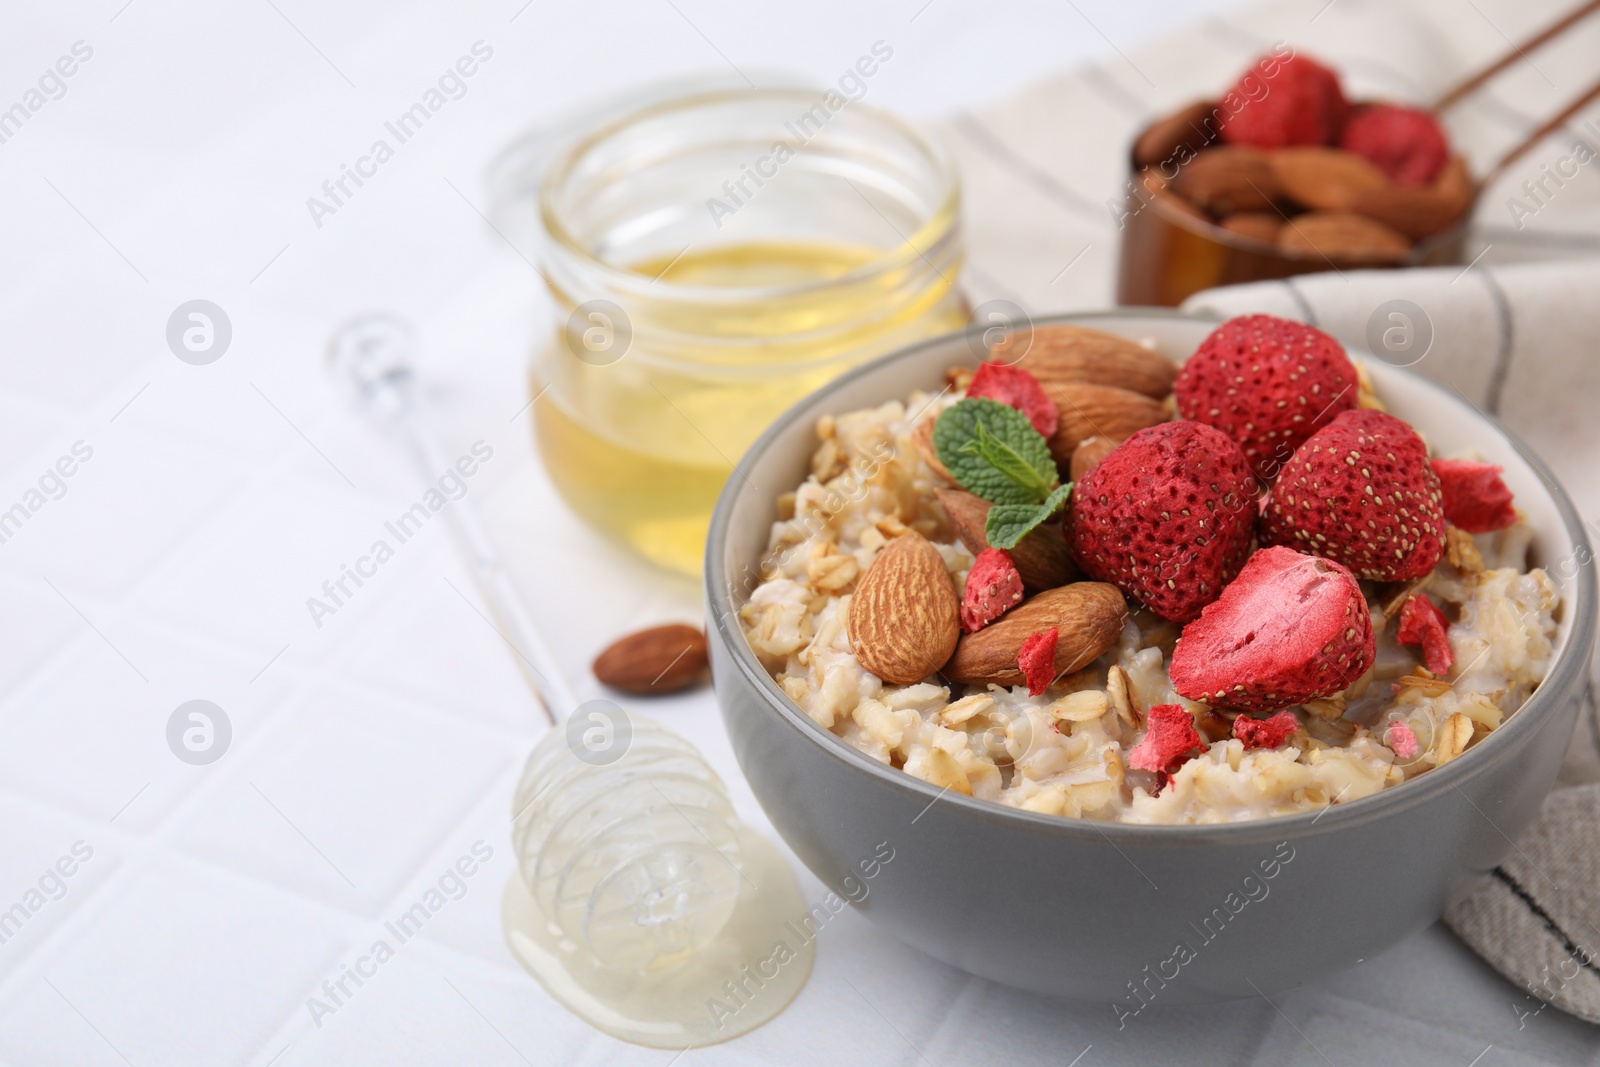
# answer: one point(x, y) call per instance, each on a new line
point(1283, 174)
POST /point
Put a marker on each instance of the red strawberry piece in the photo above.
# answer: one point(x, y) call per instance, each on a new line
point(1361, 491)
point(1421, 623)
point(1017, 388)
point(1265, 733)
point(1268, 383)
point(1406, 143)
point(1475, 498)
point(1302, 104)
point(993, 588)
point(1166, 517)
point(1289, 629)
point(1037, 658)
point(1169, 740)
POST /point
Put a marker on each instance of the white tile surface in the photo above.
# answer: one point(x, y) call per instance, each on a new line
point(50, 864)
point(344, 796)
point(184, 965)
point(91, 738)
point(37, 623)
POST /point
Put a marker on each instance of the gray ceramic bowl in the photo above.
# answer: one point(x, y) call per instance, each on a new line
point(1090, 910)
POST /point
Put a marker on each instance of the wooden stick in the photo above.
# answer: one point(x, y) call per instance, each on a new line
point(1517, 52)
point(1517, 152)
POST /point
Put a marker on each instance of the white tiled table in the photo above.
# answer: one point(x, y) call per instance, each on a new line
point(369, 754)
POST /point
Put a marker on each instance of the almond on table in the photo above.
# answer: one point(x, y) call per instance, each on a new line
point(662, 659)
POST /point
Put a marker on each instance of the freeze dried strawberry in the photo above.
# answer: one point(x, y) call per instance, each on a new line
point(1302, 104)
point(1037, 658)
point(1265, 733)
point(1406, 143)
point(1402, 740)
point(1268, 383)
point(1289, 629)
point(1421, 623)
point(1170, 739)
point(1166, 517)
point(993, 588)
point(1475, 498)
point(1016, 388)
point(1361, 491)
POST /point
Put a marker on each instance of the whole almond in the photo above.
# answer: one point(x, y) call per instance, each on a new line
point(1228, 179)
point(1420, 212)
point(904, 617)
point(1159, 189)
point(1097, 411)
point(1260, 226)
point(1193, 128)
point(1455, 183)
point(1062, 353)
point(922, 439)
point(1088, 615)
point(1324, 179)
point(1089, 453)
point(662, 659)
point(1042, 557)
point(1342, 235)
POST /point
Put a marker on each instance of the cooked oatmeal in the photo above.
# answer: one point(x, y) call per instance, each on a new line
point(1065, 751)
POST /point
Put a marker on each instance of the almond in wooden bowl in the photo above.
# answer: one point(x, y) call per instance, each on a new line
point(1343, 235)
point(1173, 136)
point(1420, 211)
point(1262, 226)
point(1229, 179)
point(1324, 179)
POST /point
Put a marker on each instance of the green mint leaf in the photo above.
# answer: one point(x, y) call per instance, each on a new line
point(1010, 523)
point(991, 449)
point(1009, 462)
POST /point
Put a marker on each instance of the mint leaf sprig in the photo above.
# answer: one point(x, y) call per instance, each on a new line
point(993, 451)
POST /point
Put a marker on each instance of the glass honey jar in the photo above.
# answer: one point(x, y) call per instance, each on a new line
point(714, 258)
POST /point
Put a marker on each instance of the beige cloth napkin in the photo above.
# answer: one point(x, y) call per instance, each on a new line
point(1517, 334)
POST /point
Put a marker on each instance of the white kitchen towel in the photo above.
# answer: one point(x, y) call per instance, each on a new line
point(1520, 343)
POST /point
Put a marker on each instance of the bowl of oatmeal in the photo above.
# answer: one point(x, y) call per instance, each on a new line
point(1137, 630)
